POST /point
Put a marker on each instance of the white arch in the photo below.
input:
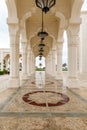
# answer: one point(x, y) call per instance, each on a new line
point(62, 19)
point(76, 10)
point(12, 11)
point(26, 16)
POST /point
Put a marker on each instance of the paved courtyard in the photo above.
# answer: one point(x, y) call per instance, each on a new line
point(42, 103)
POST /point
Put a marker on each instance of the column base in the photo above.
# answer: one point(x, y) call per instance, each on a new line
point(53, 74)
point(73, 83)
point(24, 78)
point(83, 80)
point(14, 83)
point(83, 76)
point(59, 76)
point(29, 75)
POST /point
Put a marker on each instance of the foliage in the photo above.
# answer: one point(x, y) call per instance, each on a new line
point(3, 72)
point(64, 65)
point(64, 69)
point(40, 69)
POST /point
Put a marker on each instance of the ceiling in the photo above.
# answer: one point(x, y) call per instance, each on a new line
point(32, 22)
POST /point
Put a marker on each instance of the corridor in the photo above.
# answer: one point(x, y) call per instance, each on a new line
point(43, 103)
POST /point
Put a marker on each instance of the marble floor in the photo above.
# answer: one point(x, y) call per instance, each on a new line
point(42, 103)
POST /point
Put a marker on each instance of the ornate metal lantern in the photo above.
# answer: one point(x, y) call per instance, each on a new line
point(42, 34)
point(40, 57)
point(41, 50)
point(41, 45)
point(45, 5)
point(40, 54)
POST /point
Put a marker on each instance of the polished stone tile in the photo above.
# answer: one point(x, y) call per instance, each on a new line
point(81, 92)
point(31, 123)
point(16, 114)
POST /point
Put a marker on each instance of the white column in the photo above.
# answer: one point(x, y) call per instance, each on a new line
point(1, 65)
point(78, 57)
point(34, 64)
point(83, 49)
point(46, 64)
point(14, 55)
point(31, 62)
point(53, 62)
point(59, 75)
point(6, 62)
point(24, 61)
point(28, 62)
point(1, 60)
point(73, 36)
point(48, 69)
point(50, 62)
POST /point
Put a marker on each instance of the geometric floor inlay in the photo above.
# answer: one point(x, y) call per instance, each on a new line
point(53, 98)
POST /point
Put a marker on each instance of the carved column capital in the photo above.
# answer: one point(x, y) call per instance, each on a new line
point(73, 34)
point(13, 29)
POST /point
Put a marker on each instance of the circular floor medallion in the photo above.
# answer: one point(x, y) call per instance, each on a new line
point(27, 98)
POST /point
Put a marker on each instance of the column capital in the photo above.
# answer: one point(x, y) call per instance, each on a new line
point(60, 42)
point(73, 29)
point(13, 28)
point(53, 50)
point(73, 34)
point(14, 34)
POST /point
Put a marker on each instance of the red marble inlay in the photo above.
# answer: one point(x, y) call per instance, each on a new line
point(64, 100)
point(47, 82)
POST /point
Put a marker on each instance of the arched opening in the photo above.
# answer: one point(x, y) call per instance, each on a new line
point(4, 31)
point(40, 71)
point(65, 53)
point(40, 63)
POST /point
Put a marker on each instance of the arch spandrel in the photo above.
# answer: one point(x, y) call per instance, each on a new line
point(34, 23)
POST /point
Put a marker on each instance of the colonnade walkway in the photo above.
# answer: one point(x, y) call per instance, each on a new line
point(42, 103)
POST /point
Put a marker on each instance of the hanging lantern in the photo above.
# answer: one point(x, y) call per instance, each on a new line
point(45, 5)
point(41, 50)
point(42, 35)
point(40, 57)
point(40, 54)
point(41, 45)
